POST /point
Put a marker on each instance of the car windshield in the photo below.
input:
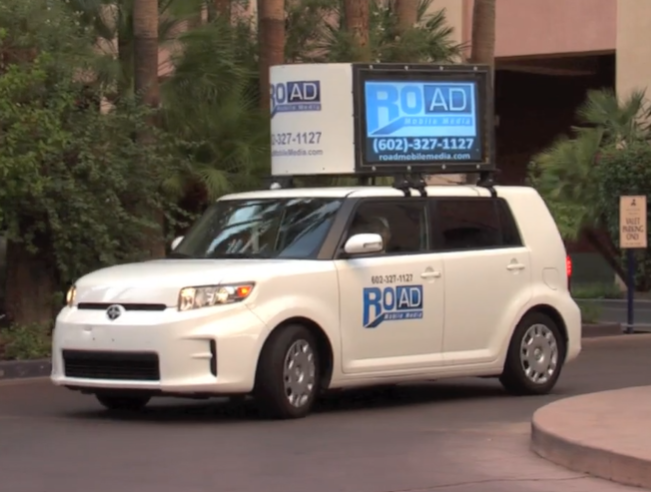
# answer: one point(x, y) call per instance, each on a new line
point(265, 228)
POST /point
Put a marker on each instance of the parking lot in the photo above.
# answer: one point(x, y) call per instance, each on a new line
point(461, 435)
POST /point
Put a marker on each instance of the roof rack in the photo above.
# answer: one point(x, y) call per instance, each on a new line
point(402, 182)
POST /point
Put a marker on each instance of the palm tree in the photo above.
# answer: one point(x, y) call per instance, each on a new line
point(357, 15)
point(271, 35)
point(483, 44)
point(211, 101)
point(407, 13)
point(566, 174)
point(483, 32)
point(145, 50)
point(318, 32)
point(221, 8)
point(112, 21)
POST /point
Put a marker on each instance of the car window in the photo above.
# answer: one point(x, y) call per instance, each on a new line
point(472, 223)
point(402, 224)
point(260, 228)
point(510, 232)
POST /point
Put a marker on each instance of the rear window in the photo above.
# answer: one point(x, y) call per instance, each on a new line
point(462, 224)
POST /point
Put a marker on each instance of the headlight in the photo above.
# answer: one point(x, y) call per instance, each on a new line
point(213, 295)
point(70, 296)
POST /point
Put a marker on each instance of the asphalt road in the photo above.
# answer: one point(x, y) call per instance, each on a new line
point(455, 436)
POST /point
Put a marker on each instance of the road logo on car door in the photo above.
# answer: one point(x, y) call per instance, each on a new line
point(391, 303)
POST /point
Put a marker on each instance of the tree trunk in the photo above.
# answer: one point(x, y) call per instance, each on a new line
point(222, 8)
point(145, 37)
point(145, 48)
point(483, 32)
point(30, 287)
point(483, 45)
point(407, 13)
point(608, 251)
point(125, 60)
point(357, 14)
point(271, 32)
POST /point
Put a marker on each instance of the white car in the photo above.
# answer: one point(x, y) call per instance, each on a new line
point(286, 293)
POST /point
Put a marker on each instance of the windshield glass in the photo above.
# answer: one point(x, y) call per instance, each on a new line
point(268, 228)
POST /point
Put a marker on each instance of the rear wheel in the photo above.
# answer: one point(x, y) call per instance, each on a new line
point(287, 379)
point(126, 403)
point(535, 357)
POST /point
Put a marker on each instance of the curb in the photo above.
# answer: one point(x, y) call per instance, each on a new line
point(600, 463)
point(23, 369)
point(597, 330)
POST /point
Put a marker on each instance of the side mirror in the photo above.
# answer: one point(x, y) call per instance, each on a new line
point(176, 242)
point(362, 244)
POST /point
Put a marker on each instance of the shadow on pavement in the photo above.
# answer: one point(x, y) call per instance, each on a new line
point(382, 398)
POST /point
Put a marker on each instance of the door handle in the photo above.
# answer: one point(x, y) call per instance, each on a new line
point(430, 275)
point(515, 266)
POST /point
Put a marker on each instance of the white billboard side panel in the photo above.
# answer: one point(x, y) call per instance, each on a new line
point(312, 127)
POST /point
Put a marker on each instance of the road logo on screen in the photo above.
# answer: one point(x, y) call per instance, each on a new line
point(445, 109)
point(289, 97)
point(391, 303)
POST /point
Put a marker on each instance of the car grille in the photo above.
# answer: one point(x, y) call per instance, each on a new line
point(103, 306)
point(122, 366)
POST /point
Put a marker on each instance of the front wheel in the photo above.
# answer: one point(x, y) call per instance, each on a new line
point(122, 402)
point(287, 378)
point(535, 357)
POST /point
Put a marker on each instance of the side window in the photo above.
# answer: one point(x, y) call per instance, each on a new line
point(402, 225)
point(467, 224)
point(510, 232)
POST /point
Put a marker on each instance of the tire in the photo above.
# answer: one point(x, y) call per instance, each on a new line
point(271, 394)
point(550, 344)
point(121, 403)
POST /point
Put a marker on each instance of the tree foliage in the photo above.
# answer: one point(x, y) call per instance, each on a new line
point(317, 34)
point(626, 171)
point(211, 101)
point(76, 188)
point(577, 176)
point(74, 182)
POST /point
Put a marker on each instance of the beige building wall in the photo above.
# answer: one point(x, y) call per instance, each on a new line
point(633, 46)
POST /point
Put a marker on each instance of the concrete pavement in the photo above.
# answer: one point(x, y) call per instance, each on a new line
point(605, 434)
point(453, 436)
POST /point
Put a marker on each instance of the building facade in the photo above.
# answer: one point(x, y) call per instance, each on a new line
point(548, 54)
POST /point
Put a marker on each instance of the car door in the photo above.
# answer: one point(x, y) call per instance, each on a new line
point(487, 275)
point(391, 303)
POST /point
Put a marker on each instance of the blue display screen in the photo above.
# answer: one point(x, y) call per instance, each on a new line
point(422, 122)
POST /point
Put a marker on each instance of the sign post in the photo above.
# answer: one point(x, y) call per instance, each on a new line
point(632, 235)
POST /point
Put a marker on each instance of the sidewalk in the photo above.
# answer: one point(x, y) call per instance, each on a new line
point(604, 434)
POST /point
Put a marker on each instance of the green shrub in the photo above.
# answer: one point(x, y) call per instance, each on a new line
point(27, 342)
point(590, 312)
point(596, 291)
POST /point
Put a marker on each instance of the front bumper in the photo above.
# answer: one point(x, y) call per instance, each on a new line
point(207, 351)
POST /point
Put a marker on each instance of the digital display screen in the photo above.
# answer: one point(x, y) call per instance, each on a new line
point(423, 122)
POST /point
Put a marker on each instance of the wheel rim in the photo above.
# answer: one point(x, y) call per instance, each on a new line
point(299, 373)
point(539, 354)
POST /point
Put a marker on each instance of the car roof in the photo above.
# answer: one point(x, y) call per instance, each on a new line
point(378, 191)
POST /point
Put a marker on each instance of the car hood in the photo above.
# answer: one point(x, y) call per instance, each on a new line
point(159, 281)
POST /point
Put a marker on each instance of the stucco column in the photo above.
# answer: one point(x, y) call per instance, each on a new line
point(633, 46)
